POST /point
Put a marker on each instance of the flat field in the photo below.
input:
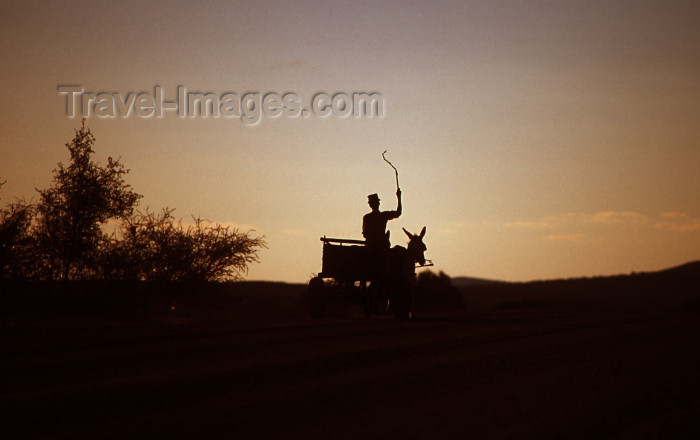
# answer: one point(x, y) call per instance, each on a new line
point(255, 366)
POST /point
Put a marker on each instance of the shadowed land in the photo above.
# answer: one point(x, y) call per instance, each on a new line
point(558, 359)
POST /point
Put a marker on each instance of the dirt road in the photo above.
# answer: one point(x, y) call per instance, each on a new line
point(499, 373)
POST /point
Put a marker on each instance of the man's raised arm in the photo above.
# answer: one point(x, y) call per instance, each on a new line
point(398, 207)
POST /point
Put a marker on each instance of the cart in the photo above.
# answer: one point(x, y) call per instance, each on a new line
point(378, 280)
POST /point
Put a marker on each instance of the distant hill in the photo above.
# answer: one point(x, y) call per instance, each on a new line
point(692, 268)
point(684, 270)
point(676, 286)
point(471, 281)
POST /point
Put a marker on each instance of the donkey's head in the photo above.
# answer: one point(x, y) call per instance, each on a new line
point(416, 247)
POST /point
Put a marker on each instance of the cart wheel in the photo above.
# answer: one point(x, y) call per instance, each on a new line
point(316, 297)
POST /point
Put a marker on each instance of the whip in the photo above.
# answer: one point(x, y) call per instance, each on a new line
point(395, 170)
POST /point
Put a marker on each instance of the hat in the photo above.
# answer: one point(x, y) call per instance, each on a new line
point(373, 197)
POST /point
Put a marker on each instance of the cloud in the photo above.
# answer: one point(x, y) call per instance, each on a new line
point(616, 218)
point(678, 222)
point(547, 222)
point(579, 218)
point(669, 221)
point(537, 224)
point(673, 214)
point(568, 238)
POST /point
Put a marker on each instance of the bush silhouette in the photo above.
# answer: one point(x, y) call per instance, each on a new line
point(70, 215)
point(435, 292)
point(152, 246)
point(62, 237)
point(16, 242)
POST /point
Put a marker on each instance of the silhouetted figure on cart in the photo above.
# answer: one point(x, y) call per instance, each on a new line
point(377, 246)
point(374, 223)
point(370, 272)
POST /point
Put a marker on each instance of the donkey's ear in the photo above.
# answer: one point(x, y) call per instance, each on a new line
point(422, 233)
point(408, 233)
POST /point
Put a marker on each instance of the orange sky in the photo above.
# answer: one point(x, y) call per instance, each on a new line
point(534, 139)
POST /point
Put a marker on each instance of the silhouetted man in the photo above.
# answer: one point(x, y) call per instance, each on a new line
point(374, 223)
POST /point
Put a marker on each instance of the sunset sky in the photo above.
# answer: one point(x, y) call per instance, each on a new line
point(534, 139)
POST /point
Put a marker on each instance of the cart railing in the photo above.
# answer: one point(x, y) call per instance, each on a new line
point(342, 241)
point(348, 261)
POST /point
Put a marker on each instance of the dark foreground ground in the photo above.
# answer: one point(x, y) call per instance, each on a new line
point(257, 367)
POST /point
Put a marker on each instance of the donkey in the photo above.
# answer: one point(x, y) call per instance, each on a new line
point(402, 261)
point(415, 253)
point(402, 273)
